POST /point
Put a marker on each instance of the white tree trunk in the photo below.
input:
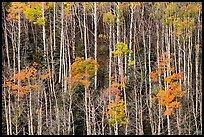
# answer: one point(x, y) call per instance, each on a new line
point(61, 43)
point(95, 41)
point(54, 4)
point(43, 17)
point(131, 24)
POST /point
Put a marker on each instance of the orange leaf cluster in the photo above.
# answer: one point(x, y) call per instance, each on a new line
point(86, 83)
point(82, 70)
point(153, 76)
point(116, 111)
point(168, 111)
point(116, 106)
point(113, 90)
point(72, 81)
point(26, 74)
point(44, 76)
point(174, 89)
point(14, 9)
point(35, 87)
point(115, 84)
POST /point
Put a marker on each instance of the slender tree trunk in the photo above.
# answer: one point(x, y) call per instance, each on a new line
point(43, 17)
point(197, 50)
point(136, 98)
point(69, 88)
point(19, 41)
point(40, 117)
point(197, 83)
point(5, 108)
point(116, 128)
point(95, 42)
point(51, 78)
point(9, 67)
point(61, 42)
point(110, 55)
point(141, 83)
point(86, 89)
point(124, 90)
point(54, 92)
point(73, 34)
point(46, 110)
point(150, 84)
point(19, 64)
point(54, 4)
point(85, 43)
point(93, 120)
point(199, 42)
point(6, 40)
point(159, 117)
point(145, 58)
point(109, 74)
point(131, 24)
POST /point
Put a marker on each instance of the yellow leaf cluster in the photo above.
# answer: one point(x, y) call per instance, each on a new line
point(102, 36)
point(86, 83)
point(168, 111)
point(83, 69)
point(116, 111)
point(134, 4)
point(44, 76)
point(35, 87)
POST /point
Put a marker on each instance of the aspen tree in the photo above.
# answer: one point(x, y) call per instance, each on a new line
point(43, 26)
point(54, 18)
point(95, 40)
point(86, 90)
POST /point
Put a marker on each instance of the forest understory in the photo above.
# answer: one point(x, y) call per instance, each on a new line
point(101, 68)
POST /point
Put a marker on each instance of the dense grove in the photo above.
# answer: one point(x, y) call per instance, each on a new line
point(101, 68)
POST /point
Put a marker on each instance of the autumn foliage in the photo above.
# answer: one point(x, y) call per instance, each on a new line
point(26, 77)
point(167, 97)
point(81, 71)
point(116, 107)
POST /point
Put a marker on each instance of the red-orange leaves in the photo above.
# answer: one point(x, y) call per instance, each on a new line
point(153, 76)
point(170, 107)
point(14, 9)
point(72, 81)
point(180, 75)
point(174, 104)
point(25, 81)
point(113, 90)
point(20, 76)
point(174, 88)
point(172, 69)
point(16, 87)
point(168, 111)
